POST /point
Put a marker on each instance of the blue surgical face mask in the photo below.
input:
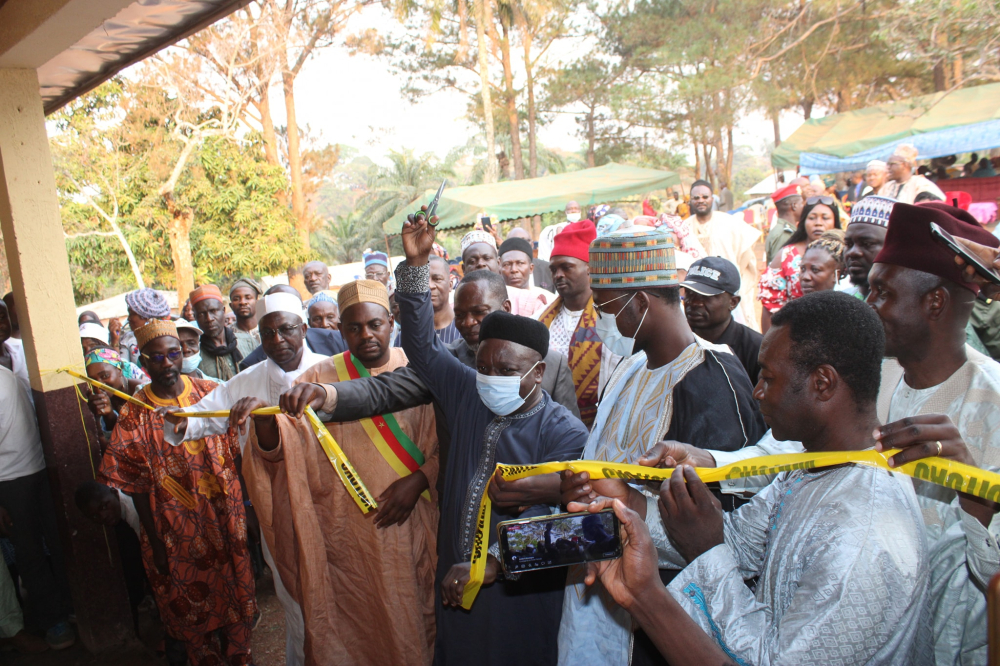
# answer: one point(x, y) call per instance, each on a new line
point(607, 329)
point(502, 395)
point(191, 363)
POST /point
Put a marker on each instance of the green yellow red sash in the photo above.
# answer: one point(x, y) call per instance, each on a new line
point(385, 432)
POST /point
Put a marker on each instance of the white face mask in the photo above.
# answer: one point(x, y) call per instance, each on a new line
point(191, 363)
point(502, 395)
point(573, 217)
point(607, 329)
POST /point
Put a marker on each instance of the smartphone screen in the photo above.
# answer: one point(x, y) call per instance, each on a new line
point(559, 541)
point(486, 222)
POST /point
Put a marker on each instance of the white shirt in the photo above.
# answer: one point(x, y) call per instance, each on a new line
point(15, 347)
point(20, 443)
point(265, 381)
point(562, 329)
point(129, 514)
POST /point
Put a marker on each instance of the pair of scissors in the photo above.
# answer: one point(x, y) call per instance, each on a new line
point(432, 208)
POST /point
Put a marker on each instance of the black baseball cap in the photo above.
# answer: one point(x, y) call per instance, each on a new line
point(712, 276)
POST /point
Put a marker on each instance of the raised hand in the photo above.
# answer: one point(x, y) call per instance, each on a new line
point(115, 332)
point(418, 237)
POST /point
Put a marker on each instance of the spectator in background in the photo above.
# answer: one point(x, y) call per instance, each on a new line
point(230, 320)
point(971, 165)
point(904, 185)
point(93, 336)
point(726, 196)
point(876, 173)
point(855, 186)
point(190, 336)
point(723, 235)
point(377, 267)
point(243, 297)
point(985, 169)
point(323, 312)
point(15, 330)
point(12, 633)
point(316, 276)
point(220, 354)
point(671, 203)
point(788, 204)
point(711, 293)
point(11, 349)
point(540, 276)
point(27, 498)
point(780, 282)
point(479, 251)
point(822, 263)
point(144, 305)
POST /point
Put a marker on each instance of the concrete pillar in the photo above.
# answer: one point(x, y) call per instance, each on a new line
point(43, 294)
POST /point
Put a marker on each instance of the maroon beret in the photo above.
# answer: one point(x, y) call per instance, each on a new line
point(908, 241)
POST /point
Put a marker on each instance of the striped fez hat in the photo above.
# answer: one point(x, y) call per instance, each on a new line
point(633, 258)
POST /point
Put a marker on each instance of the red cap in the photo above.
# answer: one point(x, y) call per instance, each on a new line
point(908, 241)
point(205, 292)
point(574, 240)
point(964, 199)
point(787, 191)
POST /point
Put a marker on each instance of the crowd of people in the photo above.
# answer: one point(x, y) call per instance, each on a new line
point(615, 339)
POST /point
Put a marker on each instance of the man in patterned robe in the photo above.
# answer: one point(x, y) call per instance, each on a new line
point(572, 320)
point(190, 505)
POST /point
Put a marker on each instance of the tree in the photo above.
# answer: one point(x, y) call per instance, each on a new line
point(343, 239)
point(227, 193)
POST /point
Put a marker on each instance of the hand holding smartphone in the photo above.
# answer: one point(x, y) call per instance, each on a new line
point(949, 241)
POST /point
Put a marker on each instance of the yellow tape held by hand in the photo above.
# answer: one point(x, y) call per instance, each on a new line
point(948, 473)
point(352, 482)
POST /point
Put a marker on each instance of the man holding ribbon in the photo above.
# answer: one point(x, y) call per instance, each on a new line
point(838, 552)
point(190, 504)
point(495, 413)
point(282, 331)
point(367, 593)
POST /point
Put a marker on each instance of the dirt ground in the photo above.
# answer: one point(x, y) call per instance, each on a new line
point(268, 641)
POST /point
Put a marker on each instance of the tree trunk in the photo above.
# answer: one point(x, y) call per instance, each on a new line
point(294, 151)
point(939, 77)
point(490, 176)
point(532, 147)
point(697, 160)
point(958, 76)
point(179, 232)
point(511, 99)
point(775, 120)
point(729, 155)
point(807, 108)
point(709, 171)
point(590, 138)
point(462, 54)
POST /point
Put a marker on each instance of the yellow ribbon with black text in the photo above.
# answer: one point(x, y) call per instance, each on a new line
point(348, 475)
point(949, 473)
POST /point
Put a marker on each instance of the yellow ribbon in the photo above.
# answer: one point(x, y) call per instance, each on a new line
point(949, 473)
point(350, 478)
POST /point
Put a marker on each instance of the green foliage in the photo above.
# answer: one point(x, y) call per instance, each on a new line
point(113, 150)
point(403, 181)
point(342, 239)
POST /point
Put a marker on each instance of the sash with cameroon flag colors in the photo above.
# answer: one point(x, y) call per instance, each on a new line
point(385, 432)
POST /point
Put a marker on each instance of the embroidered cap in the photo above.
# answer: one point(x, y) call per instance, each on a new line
point(872, 210)
point(147, 303)
point(363, 291)
point(157, 328)
point(205, 292)
point(633, 258)
point(477, 236)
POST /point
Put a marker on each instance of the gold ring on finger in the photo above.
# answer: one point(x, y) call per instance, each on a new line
point(939, 447)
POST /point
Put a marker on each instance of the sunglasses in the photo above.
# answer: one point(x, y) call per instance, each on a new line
point(284, 331)
point(160, 358)
point(826, 201)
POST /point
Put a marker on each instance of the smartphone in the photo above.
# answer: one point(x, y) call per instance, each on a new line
point(559, 540)
point(486, 222)
point(949, 241)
